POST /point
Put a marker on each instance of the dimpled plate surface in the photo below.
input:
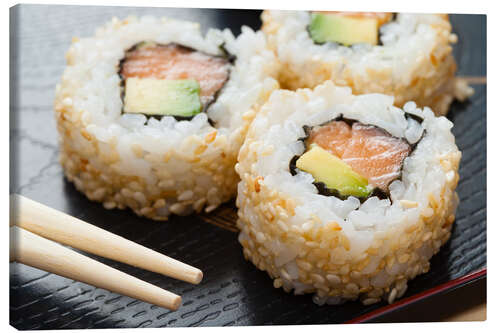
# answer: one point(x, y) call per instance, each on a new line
point(233, 291)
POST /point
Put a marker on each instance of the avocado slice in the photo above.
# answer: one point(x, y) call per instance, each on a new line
point(333, 172)
point(341, 29)
point(162, 97)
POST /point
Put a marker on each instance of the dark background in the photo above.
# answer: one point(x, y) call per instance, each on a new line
point(233, 291)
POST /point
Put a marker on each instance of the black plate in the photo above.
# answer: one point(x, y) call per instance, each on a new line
point(233, 291)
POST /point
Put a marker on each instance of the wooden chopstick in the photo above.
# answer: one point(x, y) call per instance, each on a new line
point(60, 227)
point(36, 251)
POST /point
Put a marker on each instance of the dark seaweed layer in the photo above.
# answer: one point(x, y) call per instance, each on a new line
point(322, 188)
point(418, 119)
point(226, 55)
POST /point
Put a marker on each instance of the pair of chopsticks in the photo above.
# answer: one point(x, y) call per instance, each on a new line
point(35, 229)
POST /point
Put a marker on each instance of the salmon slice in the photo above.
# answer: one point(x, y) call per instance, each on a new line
point(175, 62)
point(369, 150)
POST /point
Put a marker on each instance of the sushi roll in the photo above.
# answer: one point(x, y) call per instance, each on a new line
point(151, 113)
point(344, 196)
point(408, 56)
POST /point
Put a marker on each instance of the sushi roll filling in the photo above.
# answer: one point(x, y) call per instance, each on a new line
point(349, 158)
point(347, 28)
point(171, 80)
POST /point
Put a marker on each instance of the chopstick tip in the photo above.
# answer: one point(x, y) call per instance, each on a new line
point(198, 276)
point(176, 303)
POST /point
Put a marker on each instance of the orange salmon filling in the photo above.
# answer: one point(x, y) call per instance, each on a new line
point(176, 62)
point(382, 18)
point(369, 150)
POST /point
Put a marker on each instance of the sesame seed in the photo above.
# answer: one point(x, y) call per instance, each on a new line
point(332, 278)
point(392, 296)
point(408, 204)
point(159, 203)
point(210, 208)
point(284, 274)
point(186, 195)
point(427, 236)
point(304, 265)
point(370, 301)
point(317, 278)
point(109, 205)
point(177, 208)
point(277, 283)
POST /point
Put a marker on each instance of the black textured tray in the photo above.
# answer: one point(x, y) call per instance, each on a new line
point(233, 291)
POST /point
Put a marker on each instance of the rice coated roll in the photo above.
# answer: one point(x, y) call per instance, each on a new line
point(408, 56)
point(151, 113)
point(345, 196)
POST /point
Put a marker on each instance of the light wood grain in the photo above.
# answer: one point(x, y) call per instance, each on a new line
point(60, 227)
point(474, 313)
point(33, 250)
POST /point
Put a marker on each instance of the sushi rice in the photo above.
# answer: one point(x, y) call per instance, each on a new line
point(413, 63)
point(344, 249)
point(157, 166)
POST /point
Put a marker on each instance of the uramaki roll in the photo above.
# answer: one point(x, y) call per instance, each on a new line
point(151, 114)
point(345, 196)
point(408, 56)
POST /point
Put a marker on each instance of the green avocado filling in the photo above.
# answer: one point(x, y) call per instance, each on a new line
point(343, 29)
point(162, 97)
point(333, 172)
